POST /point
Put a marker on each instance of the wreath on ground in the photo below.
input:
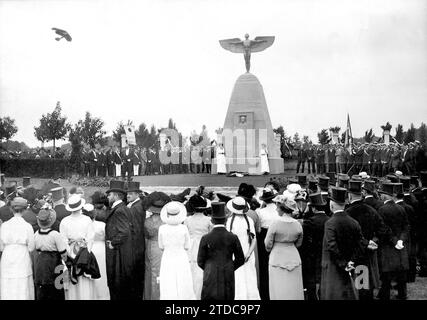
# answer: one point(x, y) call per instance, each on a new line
point(100, 182)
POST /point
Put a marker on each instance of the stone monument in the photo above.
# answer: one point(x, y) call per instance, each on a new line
point(247, 124)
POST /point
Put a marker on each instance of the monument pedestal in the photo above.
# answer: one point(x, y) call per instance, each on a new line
point(247, 127)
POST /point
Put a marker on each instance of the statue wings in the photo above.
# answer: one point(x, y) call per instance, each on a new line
point(235, 45)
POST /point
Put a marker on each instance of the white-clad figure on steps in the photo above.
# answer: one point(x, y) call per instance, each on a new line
point(220, 159)
point(263, 154)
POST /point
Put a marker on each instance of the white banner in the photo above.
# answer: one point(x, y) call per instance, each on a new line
point(130, 134)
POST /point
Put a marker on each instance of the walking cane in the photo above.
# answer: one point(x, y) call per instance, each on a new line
point(353, 286)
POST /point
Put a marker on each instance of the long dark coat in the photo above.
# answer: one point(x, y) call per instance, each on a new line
point(138, 239)
point(120, 260)
point(215, 257)
point(341, 244)
point(373, 228)
point(373, 202)
point(395, 218)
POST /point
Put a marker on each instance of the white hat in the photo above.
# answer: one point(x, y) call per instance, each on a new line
point(75, 203)
point(238, 205)
point(398, 173)
point(173, 213)
point(364, 175)
point(88, 207)
point(293, 187)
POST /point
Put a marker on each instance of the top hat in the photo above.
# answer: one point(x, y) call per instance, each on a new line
point(414, 180)
point(173, 213)
point(302, 179)
point(156, 201)
point(398, 189)
point(393, 178)
point(316, 200)
point(75, 203)
point(423, 178)
point(238, 205)
point(267, 194)
point(218, 210)
point(406, 181)
point(369, 185)
point(355, 186)
point(247, 191)
point(117, 186)
point(2, 178)
point(26, 181)
point(133, 186)
point(312, 185)
point(332, 179)
point(343, 181)
point(57, 193)
point(46, 218)
point(324, 183)
point(338, 195)
point(10, 190)
point(387, 188)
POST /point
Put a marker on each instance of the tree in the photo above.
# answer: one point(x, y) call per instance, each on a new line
point(423, 134)
point(53, 126)
point(284, 142)
point(323, 137)
point(369, 136)
point(399, 133)
point(410, 135)
point(7, 128)
point(171, 124)
point(335, 129)
point(306, 140)
point(296, 139)
point(387, 126)
point(90, 130)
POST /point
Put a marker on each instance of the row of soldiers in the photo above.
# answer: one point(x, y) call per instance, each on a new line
point(392, 214)
point(377, 159)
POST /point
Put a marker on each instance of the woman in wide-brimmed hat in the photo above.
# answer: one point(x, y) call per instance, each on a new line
point(241, 225)
point(176, 281)
point(153, 204)
point(51, 250)
point(198, 225)
point(16, 243)
point(282, 239)
point(77, 230)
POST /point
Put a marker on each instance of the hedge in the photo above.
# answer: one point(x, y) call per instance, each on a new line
point(37, 168)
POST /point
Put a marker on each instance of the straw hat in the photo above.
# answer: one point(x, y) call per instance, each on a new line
point(19, 202)
point(75, 203)
point(238, 205)
point(173, 213)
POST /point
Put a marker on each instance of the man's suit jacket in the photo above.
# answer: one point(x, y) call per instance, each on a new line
point(373, 202)
point(215, 258)
point(61, 212)
point(102, 159)
point(117, 157)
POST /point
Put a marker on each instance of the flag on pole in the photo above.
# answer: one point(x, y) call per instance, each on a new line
point(348, 135)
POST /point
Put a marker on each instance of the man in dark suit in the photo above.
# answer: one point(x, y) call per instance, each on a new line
point(393, 247)
point(127, 169)
point(110, 163)
point(373, 229)
point(58, 204)
point(92, 158)
point(118, 239)
point(369, 195)
point(215, 258)
point(137, 214)
point(302, 157)
point(320, 158)
point(341, 248)
point(102, 163)
point(117, 162)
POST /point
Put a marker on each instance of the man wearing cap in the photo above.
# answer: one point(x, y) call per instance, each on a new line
point(393, 247)
point(373, 229)
point(58, 203)
point(215, 257)
point(341, 247)
point(311, 248)
point(118, 238)
point(137, 214)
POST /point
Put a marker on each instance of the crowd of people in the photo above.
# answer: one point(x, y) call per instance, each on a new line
point(325, 237)
point(377, 159)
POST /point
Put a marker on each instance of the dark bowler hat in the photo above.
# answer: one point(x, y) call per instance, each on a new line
point(393, 178)
point(423, 178)
point(414, 180)
point(369, 185)
point(387, 188)
point(133, 186)
point(332, 179)
point(324, 183)
point(406, 181)
point(398, 189)
point(2, 178)
point(117, 186)
point(343, 181)
point(338, 195)
point(218, 210)
point(267, 194)
point(26, 181)
point(355, 186)
point(316, 200)
point(302, 179)
point(312, 185)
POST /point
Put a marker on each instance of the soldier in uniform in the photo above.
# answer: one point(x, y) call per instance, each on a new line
point(102, 163)
point(302, 157)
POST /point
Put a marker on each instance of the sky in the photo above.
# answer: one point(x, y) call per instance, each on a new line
point(151, 60)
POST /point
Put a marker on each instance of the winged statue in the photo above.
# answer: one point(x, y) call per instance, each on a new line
point(247, 46)
point(64, 34)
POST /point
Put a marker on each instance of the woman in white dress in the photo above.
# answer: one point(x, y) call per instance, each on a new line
point(263, 154)
point(16, 243)
point(176, 281)
point(98, 249)
point(220, 160)
point(78, 232)
point(198, 225)
point(246, 287)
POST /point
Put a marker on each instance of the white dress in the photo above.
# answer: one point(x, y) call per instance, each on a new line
point(98, 248)
point(176, 281)
point(220, 160)
point(16, 274)
point(245, 278)
point(263, 154)
point(76, 227)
